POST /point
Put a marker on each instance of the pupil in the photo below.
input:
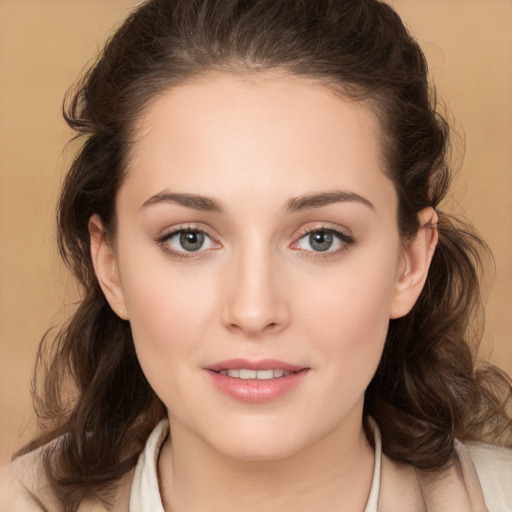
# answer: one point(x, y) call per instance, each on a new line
point(321, 240)
point(191, 240)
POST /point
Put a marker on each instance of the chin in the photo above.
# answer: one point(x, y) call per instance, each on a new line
point(261, 441)
point(261, 451)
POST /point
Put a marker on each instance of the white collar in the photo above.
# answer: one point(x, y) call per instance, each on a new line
point(145, 492)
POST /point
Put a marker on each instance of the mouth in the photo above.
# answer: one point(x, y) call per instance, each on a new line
point(256, 381)
point(246, 374)
point(264, 369)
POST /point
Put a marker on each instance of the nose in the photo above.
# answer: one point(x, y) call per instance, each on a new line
point(254, 302)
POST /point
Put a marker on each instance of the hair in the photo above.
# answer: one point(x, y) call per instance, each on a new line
point(427, 390)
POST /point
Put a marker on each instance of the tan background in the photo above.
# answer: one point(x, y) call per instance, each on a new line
point(45, 43)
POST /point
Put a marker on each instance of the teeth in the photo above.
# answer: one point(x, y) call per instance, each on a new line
point(264, 374)
point(255, 374)
point(248, 374)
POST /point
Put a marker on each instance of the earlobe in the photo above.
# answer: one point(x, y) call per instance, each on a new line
point(105, 266)
point(417, 256)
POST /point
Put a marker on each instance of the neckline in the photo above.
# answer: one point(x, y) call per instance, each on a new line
point(145, 492)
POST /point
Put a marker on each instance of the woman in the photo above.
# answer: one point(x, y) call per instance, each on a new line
point(272, 295)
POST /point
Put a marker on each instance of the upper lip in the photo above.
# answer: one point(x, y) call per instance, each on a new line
point(246, 364)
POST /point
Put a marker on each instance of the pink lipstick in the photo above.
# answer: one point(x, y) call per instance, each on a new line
point(256, 381)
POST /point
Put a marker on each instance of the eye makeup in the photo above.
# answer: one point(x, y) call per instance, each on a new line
point(319, 242)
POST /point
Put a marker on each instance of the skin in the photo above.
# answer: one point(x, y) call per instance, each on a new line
point(257, 289)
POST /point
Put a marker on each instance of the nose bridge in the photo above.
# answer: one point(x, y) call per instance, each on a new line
point(254, 302)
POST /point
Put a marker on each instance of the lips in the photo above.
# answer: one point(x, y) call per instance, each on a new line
point(256, 381)
point(263, 364)
point(245, 374)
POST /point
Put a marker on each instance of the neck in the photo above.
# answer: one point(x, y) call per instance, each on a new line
point(334, 473)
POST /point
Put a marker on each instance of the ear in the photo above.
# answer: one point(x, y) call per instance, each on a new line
point(417, 256)
point(105, 266)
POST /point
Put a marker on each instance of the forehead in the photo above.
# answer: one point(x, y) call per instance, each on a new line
point(276, 132)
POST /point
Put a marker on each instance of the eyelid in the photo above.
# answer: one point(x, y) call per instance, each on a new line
point(173, 231)
point(344, 238)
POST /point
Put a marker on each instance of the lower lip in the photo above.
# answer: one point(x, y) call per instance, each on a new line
point(257, 391)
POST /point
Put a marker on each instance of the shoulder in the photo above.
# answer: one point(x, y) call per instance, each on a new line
point(493, 465)
point(24, 488)
point(19, 484)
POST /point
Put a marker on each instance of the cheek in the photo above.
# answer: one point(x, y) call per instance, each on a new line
point(352, 304)
point(166, 308)
point(347, 327)
point(169, 317)
point(348, 318)
point(169, 305)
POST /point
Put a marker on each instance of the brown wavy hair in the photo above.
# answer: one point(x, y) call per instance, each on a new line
point(426, 391)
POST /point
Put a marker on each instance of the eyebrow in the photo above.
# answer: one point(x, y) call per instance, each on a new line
point(295, 204)
point(317, 200)
point(196, 202)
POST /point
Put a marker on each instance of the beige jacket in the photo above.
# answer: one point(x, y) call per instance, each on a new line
point(480, 480)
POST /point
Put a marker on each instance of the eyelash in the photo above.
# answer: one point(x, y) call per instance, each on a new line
point(181, 255)
point(342, 237)
point(345, 239)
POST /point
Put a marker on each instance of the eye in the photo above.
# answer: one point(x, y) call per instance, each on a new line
point(186, 240)
point(324, 240)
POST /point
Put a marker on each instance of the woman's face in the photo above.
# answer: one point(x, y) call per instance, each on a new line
point(258, 260)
